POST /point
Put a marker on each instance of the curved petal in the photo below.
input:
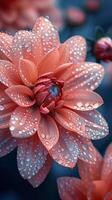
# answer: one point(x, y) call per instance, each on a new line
point(7, 142)
point(6, 45)
point(21, 95)
point(89, 172)
point(70, 187)
point(23, 46)
point(96, 126)
point(66, 151)
point(49, 62)
point(6, 108)
point(48, 132)
point(62, 69)
point(70, 121)
point(97, 190)
point(31, 157)
point(82, 100)
point(73, 50)
point(48, 37)
point(8, 74)
point(41, 174)
point(107, 164)
point(24, 122)
point(86, 75)
point(87, 153)
point(28, 72)
point(6, 105)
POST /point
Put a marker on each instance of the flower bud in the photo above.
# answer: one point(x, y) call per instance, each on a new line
point(103, 49)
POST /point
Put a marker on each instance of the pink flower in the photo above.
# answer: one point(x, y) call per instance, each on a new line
point(47, 104)
point(44, 4)
point(22, 14)
point(17, 14)
point(95, 182)
point(103, 49)
point(93, 5)
point(75, 16)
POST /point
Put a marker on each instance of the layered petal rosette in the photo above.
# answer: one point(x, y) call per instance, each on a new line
point(95, 182)
point(47, 101)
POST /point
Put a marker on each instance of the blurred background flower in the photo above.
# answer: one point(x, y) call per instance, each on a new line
point(95, 182)
point(93, 5)
point(22, 14)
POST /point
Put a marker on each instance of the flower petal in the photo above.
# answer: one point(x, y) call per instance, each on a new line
point(83, 75)
point(23, 46)
point(6, 45)
point(107, 165)
point(73, 50)
point(66, 151)
point(96, 126)
point(48, 132)
point(48, 35)
point(97, 190)
point(24, 122)
point(82, 100)
point(70, 121)
point(89, 172)
point(7, 142)
point(31, 157)
point(21, 95)
point(41, 174)
point(88, 152)
point(28, 72)
point(49, 62)
point(6, 108)
point(8, 74)
point(108, 196)
point(70, 187)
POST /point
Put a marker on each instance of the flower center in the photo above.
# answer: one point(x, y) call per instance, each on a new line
point(48, 93)
point(54, 90)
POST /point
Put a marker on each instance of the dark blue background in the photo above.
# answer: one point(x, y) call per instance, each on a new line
point(12, 186)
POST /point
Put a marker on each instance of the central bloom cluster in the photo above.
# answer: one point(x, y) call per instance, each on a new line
point(48, 93)
point(47, 102)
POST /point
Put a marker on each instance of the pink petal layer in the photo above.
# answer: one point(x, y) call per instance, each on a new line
point(97, 190)
point(88, 152)
point(28, 72)
point(107, 165)
point(73, 50)
point(49, 62)
point(48, 132)
point(83, 75)
point(89, 172)
point(8, 74)
point(24, 122)
point(6, 108)
point(96, 126)
point(23, 46)
point(89, 124)
point(21, 95)
point(70, 121)
point(66, 151)
point(48, 37)
point(7, 142)
point(31, 157)
point(6, 45)
point(6, 105)
point(82, 100)
point(41, 174)
point(70, 187)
